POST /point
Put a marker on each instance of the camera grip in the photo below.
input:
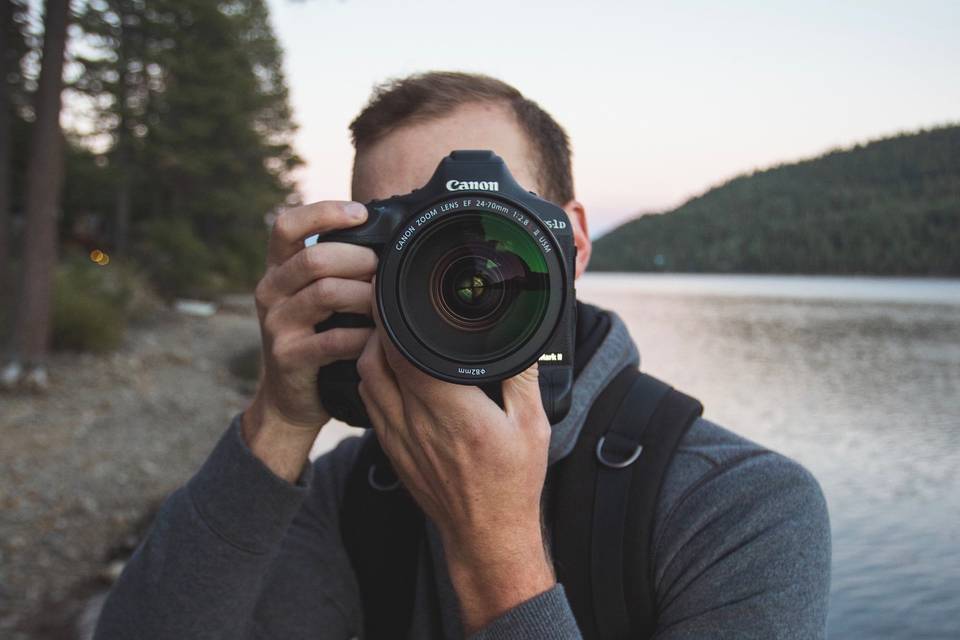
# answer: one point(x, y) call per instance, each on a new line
point(337, 382)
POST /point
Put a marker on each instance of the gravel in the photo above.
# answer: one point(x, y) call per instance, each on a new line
point(84, 466)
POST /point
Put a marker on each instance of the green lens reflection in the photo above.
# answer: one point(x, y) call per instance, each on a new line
point(474, 287)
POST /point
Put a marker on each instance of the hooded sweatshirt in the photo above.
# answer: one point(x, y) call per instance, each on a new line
point(741, 543)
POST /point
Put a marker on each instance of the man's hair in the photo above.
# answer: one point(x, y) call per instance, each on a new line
point(425, 96)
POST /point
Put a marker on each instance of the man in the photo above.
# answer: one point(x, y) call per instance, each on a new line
point(251, 547)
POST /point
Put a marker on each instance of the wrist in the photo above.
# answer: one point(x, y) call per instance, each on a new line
point(282, 445)
point(493, 574)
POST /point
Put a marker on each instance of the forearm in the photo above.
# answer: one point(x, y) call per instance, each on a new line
point(199, 570)
point(493, 572)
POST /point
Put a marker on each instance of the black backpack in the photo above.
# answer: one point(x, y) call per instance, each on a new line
point(600, 499)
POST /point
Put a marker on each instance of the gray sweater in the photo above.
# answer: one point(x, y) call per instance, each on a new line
point(741, 547)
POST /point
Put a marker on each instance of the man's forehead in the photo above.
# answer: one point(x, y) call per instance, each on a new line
point(405, 158)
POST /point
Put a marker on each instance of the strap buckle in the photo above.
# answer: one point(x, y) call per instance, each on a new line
point(376, 484)
point(617, 464)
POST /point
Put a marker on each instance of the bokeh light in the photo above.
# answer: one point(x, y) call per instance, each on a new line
point(99, 257)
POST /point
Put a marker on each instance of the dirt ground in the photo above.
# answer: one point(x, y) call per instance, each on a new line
point(83, 467)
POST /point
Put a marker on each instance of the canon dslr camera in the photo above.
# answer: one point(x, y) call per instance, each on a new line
point(474, 284)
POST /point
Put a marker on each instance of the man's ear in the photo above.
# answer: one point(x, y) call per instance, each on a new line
point(581, 236)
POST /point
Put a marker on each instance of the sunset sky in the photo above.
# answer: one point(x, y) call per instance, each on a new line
point(660, 102)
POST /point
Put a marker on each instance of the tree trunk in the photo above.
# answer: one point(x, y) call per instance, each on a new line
point(121, 216)
point(121, 204)
point(122, 209)
point(44, 182)
point(7, 55)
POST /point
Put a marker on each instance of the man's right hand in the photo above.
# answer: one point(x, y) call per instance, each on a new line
point(301, 287)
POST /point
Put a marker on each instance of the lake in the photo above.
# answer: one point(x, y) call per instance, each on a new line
point(856, 378)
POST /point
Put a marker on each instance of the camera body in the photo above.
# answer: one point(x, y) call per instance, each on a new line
point(475, 283)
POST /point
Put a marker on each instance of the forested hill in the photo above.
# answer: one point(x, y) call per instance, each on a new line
point(890, 207)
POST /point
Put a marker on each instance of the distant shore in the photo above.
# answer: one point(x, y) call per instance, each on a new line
point(920, 289)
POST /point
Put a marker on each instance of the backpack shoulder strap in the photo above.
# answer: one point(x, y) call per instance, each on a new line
point(604, 499)
point(382, 529)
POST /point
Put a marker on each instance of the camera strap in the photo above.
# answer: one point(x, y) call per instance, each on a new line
point(601, 500)
point(382, 529)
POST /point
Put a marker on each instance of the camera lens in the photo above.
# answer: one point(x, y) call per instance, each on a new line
point(473, 287)
point(468, 287)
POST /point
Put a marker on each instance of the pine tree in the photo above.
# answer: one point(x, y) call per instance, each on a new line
point(13, 47)
point(197, 110)
point(221, 140)
point(120, 73)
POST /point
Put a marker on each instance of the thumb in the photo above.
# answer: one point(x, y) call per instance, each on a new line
point(521, 395)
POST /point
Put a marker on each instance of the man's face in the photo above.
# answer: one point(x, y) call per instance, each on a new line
point(404, 159)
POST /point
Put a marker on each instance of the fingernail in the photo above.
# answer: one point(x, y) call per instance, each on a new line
point(355, 210)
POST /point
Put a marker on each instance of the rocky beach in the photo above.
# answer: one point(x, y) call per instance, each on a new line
point(84, 466)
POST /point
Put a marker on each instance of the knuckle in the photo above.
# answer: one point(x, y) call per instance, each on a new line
point(283, 227)
point(279, 353)
point(365, 365)
point(368, 258)
point(542, 430)
point(326, 291)
point(314, 260)
point(407, 370)
point(271, 325)
point(261, 294)
point(322, 289)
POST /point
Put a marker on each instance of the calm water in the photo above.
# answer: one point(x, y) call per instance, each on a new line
point(856, 378)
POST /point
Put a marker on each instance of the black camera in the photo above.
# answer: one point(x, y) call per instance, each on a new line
point(475, 283)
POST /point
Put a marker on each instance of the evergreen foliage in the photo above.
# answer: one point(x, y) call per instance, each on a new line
point(194, 103)
point(890, 207)
point(179, 148)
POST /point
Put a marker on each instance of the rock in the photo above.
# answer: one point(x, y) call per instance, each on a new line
point(238, 303)
point(113, 570)
point(36, 380)
point(197, 308)
point(89, 504)
point(150, 468)
point(10, 375)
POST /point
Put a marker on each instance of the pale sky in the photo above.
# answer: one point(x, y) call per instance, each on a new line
point(661, 102)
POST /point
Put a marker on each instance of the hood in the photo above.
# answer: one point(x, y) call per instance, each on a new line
point(614, 352)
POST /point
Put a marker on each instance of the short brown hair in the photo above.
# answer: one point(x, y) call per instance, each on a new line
point(425, 96)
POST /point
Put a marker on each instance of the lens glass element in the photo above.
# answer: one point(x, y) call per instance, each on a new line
point(473, 287)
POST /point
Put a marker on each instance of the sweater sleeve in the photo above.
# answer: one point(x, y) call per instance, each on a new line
point(198, 572)
point(742, 550)
point(547, 615)
point(745, 553)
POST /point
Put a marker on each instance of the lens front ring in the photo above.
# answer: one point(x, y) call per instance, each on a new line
point(392, 295)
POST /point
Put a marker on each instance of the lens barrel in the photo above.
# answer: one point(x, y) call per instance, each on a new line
point(472, 293)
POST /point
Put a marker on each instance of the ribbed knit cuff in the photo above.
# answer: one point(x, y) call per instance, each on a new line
point(241, 499)
point(547, 615)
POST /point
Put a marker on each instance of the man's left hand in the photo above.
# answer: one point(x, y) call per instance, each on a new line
point(476, 470)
